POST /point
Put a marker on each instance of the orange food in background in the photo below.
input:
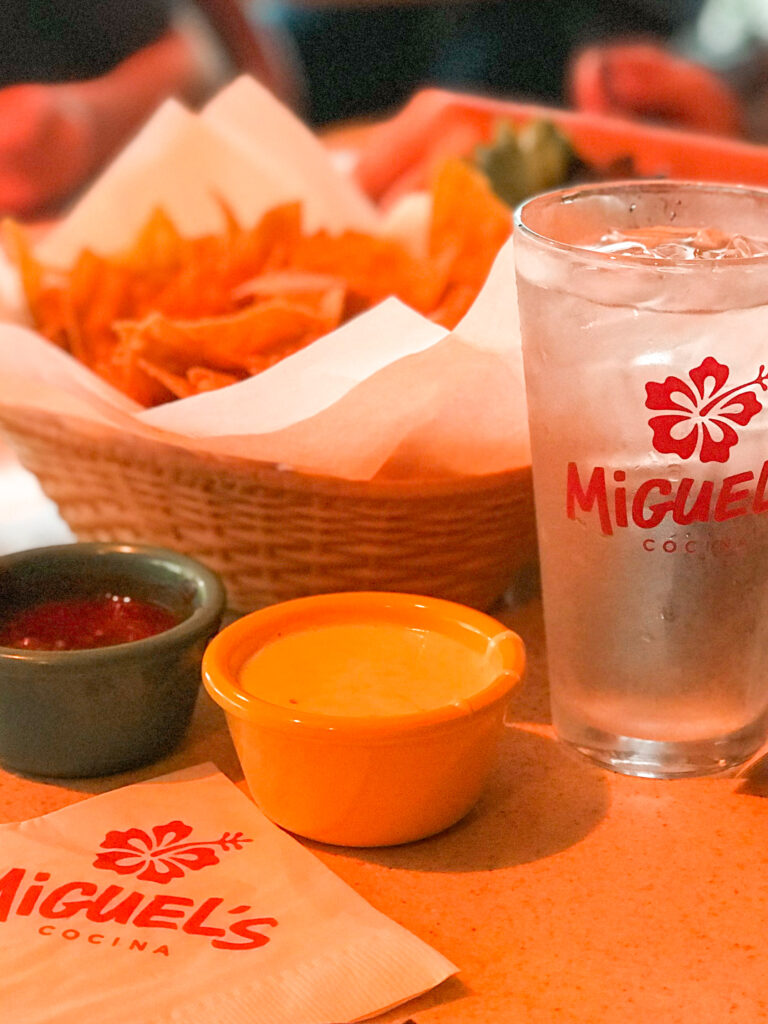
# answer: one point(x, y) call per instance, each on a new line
point(645, 80)
point(172, 317)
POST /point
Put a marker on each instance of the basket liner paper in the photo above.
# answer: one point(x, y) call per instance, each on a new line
point(389, 391)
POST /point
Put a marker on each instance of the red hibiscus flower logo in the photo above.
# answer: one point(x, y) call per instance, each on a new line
point(700, 416)
point(162, 856)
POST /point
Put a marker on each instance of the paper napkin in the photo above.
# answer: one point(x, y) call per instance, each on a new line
point(175, 901)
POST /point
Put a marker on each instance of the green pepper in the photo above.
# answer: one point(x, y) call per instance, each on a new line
point(521, 162)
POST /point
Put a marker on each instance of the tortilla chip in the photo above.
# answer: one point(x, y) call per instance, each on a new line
point(468, 221)
point(201, 378)
point(455, 304)
point(172, 316)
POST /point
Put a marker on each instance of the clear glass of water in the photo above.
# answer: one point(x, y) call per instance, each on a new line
point(644, 318)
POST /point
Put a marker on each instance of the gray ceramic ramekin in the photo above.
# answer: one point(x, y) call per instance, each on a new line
point(77, 713)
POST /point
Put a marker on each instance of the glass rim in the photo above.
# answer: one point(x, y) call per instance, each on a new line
point(614, 187)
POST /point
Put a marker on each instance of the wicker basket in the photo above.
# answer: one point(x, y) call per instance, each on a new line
point(274, 534)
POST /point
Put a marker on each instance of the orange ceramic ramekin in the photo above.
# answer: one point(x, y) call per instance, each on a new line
point(375, 780)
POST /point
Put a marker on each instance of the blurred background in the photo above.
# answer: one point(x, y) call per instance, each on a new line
point(78, 77)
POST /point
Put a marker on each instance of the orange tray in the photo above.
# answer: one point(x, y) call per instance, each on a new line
point(435, 122)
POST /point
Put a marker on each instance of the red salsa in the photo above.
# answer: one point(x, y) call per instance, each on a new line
point(77, 624)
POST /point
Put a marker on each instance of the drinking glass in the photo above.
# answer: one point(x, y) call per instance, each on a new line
point(644, 318)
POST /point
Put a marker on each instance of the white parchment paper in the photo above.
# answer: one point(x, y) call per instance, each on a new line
point(388, 392)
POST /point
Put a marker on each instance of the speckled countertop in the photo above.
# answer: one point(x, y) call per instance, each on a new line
point(570, 895)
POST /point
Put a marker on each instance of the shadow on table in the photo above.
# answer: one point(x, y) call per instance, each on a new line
point(207, 740)
point(450, 991)
point(540, 801)
point(520, 610)
point(753, 778)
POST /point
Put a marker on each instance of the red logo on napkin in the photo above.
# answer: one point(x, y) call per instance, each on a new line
point(163, 855)
point(701, 417)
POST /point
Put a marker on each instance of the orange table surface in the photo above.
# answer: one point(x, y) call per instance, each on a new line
point(569, 894)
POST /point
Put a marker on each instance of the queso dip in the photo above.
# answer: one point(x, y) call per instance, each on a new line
point(364, 669)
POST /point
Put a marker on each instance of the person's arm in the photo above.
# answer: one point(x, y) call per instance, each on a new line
point(647, 80)
point(120, 101)
point(53, 138)
point(256, 47)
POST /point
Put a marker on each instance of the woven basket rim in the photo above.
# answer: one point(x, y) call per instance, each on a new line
point(164, 448)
